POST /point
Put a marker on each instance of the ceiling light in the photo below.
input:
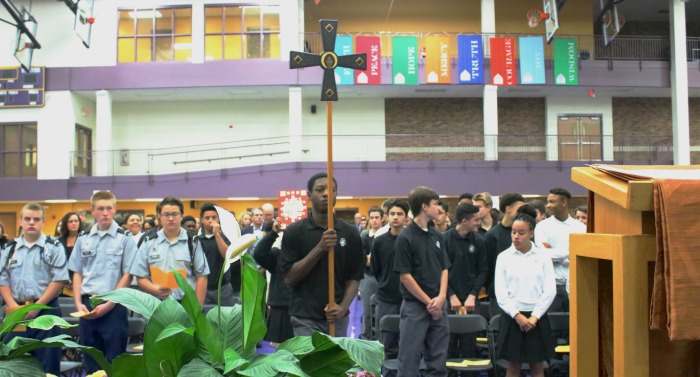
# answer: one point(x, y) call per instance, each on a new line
point(145, 14)
point(244, 198)
point(148, 199)
point(60, 201)
point(343, 197)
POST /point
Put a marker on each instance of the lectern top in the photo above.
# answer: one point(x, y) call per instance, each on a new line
point(631, 195)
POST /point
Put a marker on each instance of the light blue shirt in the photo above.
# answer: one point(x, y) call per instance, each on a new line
point(33, 268)
point(102, 258)
point(159, 252)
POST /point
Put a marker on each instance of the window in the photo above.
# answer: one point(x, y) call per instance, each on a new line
point(154, 35)
point(241, 32)
point(18, 150)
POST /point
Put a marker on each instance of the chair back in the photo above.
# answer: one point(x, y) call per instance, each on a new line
point(137, 326)
point(390, 323)
point(467, 324)
point(559, 321)
point(494, 323)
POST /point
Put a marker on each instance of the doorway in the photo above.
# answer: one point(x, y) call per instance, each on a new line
point(580, 137)
point(9, 222)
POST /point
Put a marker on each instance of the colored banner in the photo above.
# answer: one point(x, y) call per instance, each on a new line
point(372, 46)
point(565, 61)
point(503, 61)
point(437, 60)
point(292, 206)
point(343, 46)
point(470, 59)
point(404, 55)
point(531, 60)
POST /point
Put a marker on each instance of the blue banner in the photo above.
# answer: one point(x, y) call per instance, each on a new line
point(343, 46)
point(470, 59)
point(531, 60)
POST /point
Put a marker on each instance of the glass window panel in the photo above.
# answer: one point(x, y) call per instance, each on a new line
point(11, 136)
point(213, 47)
point(183, 21)
point(164, 49)
point(164, 24)
point(183, 48)
point(144, 26)
point(251, 17)
point(233, 17)
point(232, 47)
point(126, 23)
point(272, 45)
point(125, 50)
point(252, 46)
point(271, 22)
point(213, 21)
point(144, 50)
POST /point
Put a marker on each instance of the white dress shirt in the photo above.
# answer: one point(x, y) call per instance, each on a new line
point(524, 282)
point(556, 233)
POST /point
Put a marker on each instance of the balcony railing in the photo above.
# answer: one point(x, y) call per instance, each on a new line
point(641, 48)
point(391, 147)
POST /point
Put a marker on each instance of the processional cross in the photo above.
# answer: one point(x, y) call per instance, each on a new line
point(328, 60)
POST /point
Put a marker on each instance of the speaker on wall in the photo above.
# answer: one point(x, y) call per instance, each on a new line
point(313, 109)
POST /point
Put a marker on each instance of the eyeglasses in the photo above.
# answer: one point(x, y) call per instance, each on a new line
point(173, 215)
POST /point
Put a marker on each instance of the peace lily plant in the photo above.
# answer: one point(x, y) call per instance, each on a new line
point(180, 340)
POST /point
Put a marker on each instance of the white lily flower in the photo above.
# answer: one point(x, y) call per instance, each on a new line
point(229, 225)
point(237, 248)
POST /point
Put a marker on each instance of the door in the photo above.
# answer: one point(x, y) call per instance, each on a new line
point(82, 159)
point(580, 137)
point(9, 222)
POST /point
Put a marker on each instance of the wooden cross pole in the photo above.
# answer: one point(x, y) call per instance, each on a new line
point(328, 60)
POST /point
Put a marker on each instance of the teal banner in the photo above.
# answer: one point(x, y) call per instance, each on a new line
point(343, 46)
point(531, 60)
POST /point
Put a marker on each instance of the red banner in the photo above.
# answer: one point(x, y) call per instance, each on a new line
point(372, 46)
point(292, 206)
point(503, 61)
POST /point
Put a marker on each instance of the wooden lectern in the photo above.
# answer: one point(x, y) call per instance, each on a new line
point(623, 222)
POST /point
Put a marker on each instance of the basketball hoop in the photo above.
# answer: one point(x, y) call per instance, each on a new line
point(535, 16)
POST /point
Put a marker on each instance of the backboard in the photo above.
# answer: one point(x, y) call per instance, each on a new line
point(23, 46)
point(610, 20)
point(84, 18)
point(551, 24)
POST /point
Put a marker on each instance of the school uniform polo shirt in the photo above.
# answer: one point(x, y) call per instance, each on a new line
point(497, 239)
point(382, 261)
point(310, 296)
point(102, 258)
point(32, 269)
point(422, 254)
point(468, 258)
point(556, 233)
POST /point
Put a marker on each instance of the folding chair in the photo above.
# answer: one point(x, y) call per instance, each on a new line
point(559, 322)
point(390, 323)
point(137, 326)
point(469, 324)
point(373, 316)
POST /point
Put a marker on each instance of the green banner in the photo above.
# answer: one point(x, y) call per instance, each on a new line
point(565, 61)
point(405, 60)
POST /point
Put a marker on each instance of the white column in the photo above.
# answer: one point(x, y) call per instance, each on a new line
point(679, 84)
point(490, 122)
point(198, 18)
point(103, 158)
point(295, 110)
point(291, 27)
point(488, 28)
point(55, 134)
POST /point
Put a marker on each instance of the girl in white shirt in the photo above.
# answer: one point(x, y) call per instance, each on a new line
point(525, 287)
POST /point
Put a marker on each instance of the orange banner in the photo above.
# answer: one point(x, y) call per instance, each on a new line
point(438, 68)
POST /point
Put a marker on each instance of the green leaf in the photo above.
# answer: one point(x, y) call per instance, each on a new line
point(331, 362)
point(21, 346)
point(367, 354)
point(18, 315)
point(174, 329)
point(233, 360)
point(171, 353)
point(132, 299)
point(231, 325)
point(127, 365)
point(198, 368)
point(253, 298)
point(205, 336)
point(300, 346)
point(26, 366)
point(280, 362)
point(46, 322)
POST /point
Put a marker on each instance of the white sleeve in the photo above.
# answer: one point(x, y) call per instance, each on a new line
point(549, 290)
point(501, 287)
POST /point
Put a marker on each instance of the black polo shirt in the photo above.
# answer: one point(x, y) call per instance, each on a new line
point(497, 239)
point(382, 260)
point(310, 296)
point(215, 261)
point(422, 254)
point(469, 268)
point(267, 257)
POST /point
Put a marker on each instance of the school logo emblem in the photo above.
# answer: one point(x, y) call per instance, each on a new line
point(437, 243)
point(342, 242)
point(472, 249)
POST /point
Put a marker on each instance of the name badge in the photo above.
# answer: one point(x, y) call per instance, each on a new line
point(14, 262)
point(88, 253)
point(153, 258)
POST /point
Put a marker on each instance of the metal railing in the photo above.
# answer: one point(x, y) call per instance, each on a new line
point(389, 147)
point(590, 47)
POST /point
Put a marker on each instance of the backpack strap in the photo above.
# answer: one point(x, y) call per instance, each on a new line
point(11, 244)
point(191, 246)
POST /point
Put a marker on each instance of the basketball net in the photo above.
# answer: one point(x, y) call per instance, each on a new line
point(535, 16)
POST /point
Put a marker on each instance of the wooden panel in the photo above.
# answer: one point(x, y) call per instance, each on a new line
point(610, 218)
point(628, 195)
point(591, 245)
point(583, 277)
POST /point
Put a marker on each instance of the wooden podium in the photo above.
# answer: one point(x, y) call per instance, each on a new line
point(623, 222)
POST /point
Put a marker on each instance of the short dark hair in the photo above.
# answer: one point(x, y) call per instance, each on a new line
point(170, 201)
point(528, 210)
point(398, 203)
point(529, 220)
point(186, 219)
point(581, 209)
point(376, 209)
point(312, 181)
point(561, 192)
point(538, 205)
point(466, 211)
point(419, 196)
point(208, 206)
point(466, 195)
point(444, 206)
point(508, 200)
